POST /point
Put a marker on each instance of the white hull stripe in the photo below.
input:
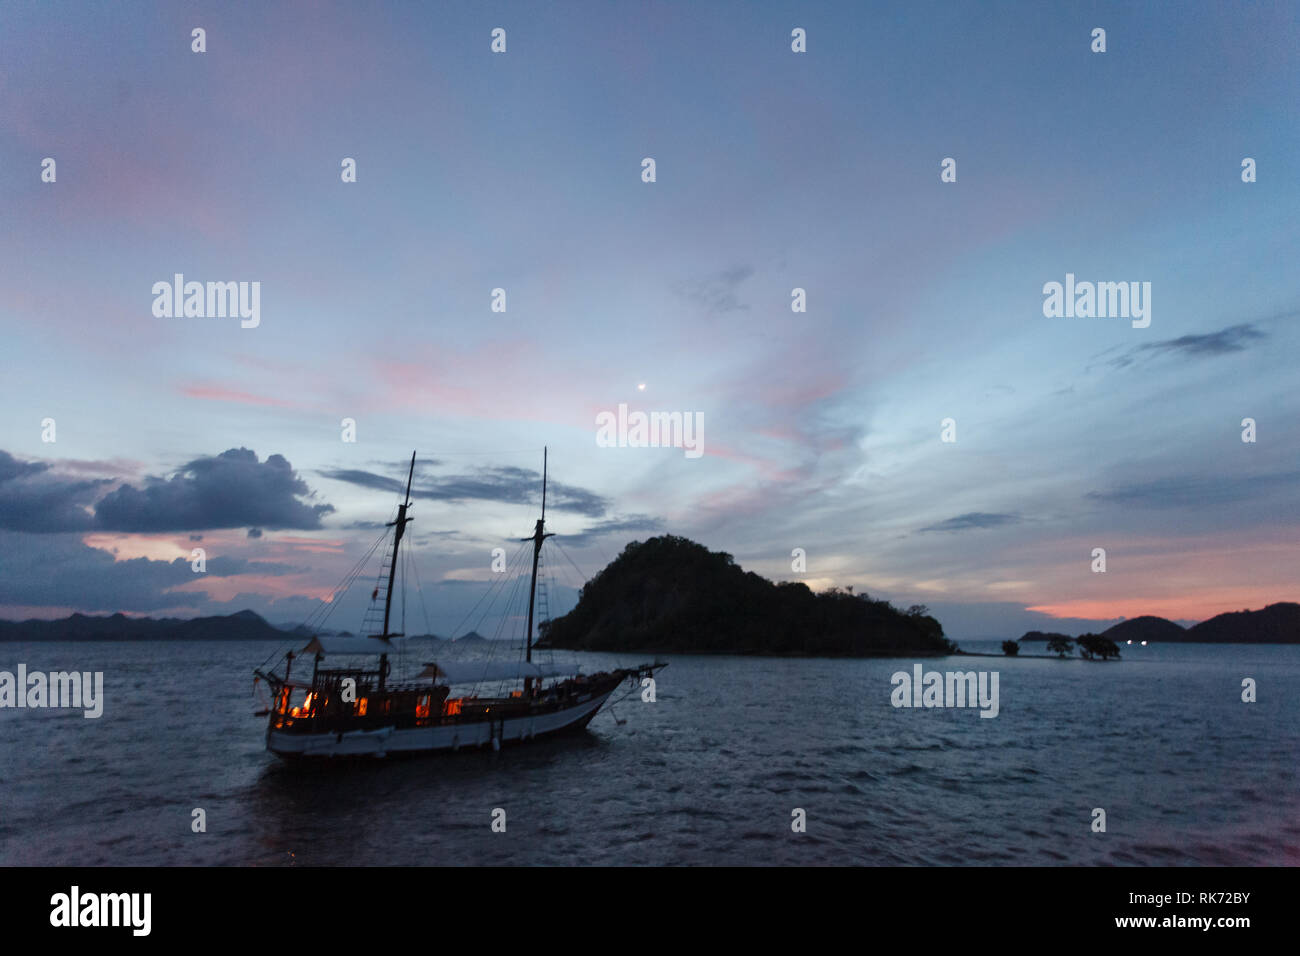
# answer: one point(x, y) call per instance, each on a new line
point(378, 743)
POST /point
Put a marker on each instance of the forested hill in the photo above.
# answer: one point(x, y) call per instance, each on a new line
point(240, 626)
point(1276, 624)
point(670, 594)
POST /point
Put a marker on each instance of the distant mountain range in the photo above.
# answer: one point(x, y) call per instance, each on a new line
point(240, 626)
point(1276, 624)
point(661, 612)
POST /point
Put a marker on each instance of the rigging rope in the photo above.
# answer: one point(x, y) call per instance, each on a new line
point(494, 585)
point(332, 604)
point(582, 576)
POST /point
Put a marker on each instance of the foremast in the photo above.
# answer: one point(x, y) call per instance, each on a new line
point(539, 535)
point(399, 526)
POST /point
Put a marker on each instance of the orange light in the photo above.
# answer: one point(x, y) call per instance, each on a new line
point(361, 706)
point(452, 707)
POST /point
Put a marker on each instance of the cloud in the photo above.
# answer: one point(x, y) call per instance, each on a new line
point(230, 490)
point(632, 524)
point(11, 467)
point(506, 484)
point(62, 571)
point(366, 479)
point(219, 394)
point(716, 293)
point(34, 498)
point(1234, 338)
point(974, 519)
point(1195, 491)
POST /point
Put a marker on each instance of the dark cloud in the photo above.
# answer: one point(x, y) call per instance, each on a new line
point(633, 524)
point(717, 292)
point(1195, 491)
point(506, 484)
point(1231, 339)
point(366, 479)
point(421, 465)
point(254, 532)
point(974, 519)
point(225, 567)
point(11, 467)
point(230, 490)
point(35, 498)
point(61, 571)
point(1235, 338)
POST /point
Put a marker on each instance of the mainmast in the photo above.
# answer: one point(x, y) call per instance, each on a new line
point(538, 537)
point(400, 523)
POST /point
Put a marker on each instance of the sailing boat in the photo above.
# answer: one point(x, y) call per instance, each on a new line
point(354, 710)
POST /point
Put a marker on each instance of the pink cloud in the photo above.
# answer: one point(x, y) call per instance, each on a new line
point(216, 393)
point(1196, 606)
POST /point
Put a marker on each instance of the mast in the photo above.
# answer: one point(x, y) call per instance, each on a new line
point(538, 537)
point(400, 524)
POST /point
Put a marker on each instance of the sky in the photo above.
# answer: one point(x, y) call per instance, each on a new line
point(774, 170)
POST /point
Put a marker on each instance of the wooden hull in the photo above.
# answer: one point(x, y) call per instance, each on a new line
point(394, 741)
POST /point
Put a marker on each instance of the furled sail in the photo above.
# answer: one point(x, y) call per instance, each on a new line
point(349, 645)
point(471, 672)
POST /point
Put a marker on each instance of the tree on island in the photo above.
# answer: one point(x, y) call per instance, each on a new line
point(1093, 646)
point(1043, 636)
point(1011, 648)
point(1060, 646)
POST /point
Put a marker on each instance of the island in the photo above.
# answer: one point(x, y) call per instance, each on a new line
point(672, 595)
point(240, 626)
point(1275, 624)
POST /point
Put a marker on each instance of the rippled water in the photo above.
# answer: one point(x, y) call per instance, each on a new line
point(1187, 773)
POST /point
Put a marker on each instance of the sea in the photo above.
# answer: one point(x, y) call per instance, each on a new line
point(736, 760)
